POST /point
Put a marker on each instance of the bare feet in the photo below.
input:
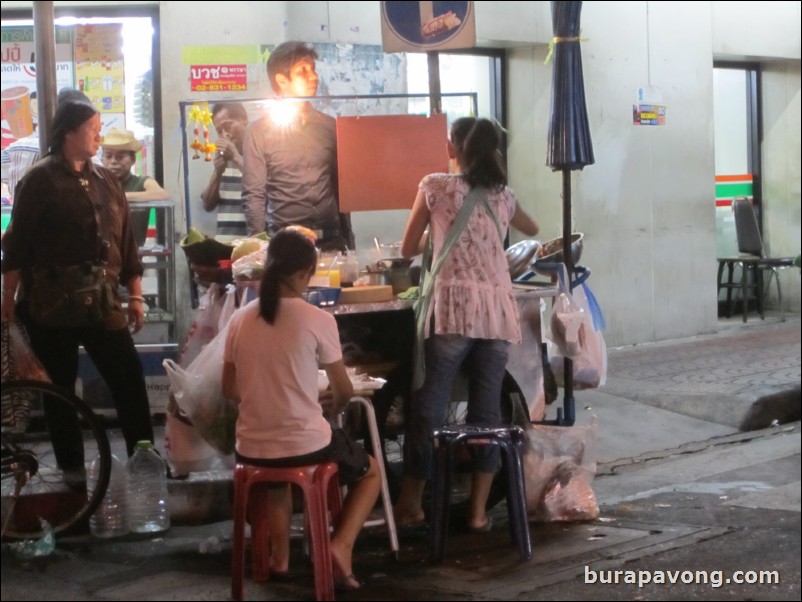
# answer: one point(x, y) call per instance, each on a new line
point(341, 563)
point(347, 583)
point(408, 517)
point(480, 525)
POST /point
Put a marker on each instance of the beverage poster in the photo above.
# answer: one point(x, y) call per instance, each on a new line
point(19, 104)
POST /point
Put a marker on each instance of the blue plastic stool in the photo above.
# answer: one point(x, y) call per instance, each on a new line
point(511, 441)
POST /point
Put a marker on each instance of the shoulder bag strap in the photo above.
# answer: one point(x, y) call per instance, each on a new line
point(427, 286)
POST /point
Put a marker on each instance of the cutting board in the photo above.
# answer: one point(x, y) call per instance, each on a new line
point(366, 294)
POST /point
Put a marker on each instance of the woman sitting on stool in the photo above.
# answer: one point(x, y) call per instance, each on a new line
point(273, 349)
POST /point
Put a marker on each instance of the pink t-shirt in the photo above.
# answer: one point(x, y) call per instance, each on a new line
point(277, 364)
point(473, 292)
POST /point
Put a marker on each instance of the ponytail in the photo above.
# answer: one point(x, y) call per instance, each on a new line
point(289, 252)
point(476, 144)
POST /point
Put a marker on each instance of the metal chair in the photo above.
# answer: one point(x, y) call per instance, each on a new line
point(750, 242)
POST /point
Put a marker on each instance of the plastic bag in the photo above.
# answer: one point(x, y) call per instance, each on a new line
point(575, 332)
point(559, 466)
point(251, 266)
point(566, 323)
point(590, 364)
point(228, 308)
point(204, 325)
point(186, 450)
point(198, 390)
point(19, 362)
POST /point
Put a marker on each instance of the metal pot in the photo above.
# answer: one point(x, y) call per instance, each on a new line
point(396, 263)
point(374, 278)
point(398, 273)
point(550, 254)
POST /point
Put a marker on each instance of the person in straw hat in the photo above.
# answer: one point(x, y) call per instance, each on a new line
point(119, 155)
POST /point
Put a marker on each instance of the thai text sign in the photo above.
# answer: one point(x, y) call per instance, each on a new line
point(218, 78)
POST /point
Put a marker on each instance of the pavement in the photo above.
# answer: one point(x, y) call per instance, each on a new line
point(697, 484)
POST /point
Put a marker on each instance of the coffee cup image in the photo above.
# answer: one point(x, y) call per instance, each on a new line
point(16, 108)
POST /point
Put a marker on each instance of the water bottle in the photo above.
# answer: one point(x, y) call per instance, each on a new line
point(147, 490)
point(110, 518)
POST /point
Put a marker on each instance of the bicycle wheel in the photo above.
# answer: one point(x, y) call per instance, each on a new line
point(36, 486)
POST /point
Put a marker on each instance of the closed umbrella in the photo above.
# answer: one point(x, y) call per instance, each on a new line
point(569, 146)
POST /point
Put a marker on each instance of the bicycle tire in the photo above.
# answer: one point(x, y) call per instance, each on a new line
point(50, 494)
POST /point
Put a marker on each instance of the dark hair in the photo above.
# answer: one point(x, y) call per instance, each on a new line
point(289, 251)
point(70, 115)
point(235, 110)
point(475, 142)
point(71, 95)
point(284, 57)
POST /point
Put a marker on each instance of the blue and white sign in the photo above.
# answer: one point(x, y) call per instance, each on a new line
point(425, 26)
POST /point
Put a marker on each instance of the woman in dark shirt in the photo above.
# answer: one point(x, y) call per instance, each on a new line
point(57, 220)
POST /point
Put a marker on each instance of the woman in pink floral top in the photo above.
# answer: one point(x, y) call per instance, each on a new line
point(473, 317)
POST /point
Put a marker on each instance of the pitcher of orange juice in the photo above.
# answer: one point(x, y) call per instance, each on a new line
point(328, 267)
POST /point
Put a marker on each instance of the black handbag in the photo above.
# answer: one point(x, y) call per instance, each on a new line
point(74, 296)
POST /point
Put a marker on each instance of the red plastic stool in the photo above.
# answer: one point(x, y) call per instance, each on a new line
point(321, 495)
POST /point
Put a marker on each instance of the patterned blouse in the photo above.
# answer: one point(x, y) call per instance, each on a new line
point(473, 294)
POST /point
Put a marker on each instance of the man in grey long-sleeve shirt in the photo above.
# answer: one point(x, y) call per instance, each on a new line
point(290, 156)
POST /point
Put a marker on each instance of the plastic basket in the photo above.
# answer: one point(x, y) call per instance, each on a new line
point(322, 296)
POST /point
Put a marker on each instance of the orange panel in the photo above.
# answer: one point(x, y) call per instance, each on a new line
point(382, 158)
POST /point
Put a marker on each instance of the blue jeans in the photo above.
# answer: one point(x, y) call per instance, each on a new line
point(484, 361)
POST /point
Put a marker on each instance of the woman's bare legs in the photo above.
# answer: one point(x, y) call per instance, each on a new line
point(409, 505)
point(481, 483)
point(279, 515)
point(357, 505)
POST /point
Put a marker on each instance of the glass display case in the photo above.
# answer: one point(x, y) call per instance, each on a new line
point(154, 228)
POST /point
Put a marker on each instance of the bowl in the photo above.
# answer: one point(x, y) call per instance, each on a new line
point(519, 255)
point(550, 254)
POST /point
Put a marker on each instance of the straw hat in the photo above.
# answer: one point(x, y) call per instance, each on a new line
point(121, 140)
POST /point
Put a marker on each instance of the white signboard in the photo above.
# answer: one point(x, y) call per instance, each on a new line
point(426, 26)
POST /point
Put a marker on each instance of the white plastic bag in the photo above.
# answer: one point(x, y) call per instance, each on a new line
point(186, 450)
point(228, 308)
point(198, 390)
point(204, 324)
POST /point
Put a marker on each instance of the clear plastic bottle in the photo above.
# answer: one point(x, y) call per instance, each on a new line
point(110, 518)
point(349, 269)
point(147, 490)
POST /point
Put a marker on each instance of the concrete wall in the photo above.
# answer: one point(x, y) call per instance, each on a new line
point(781, 167)
point(646, 205)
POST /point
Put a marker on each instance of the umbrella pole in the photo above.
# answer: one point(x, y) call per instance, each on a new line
point(568, 366)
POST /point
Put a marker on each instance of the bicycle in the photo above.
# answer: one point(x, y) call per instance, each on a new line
point(34, 488)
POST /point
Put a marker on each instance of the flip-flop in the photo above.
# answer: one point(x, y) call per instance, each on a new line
point(483, 528)
point(347, 583)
